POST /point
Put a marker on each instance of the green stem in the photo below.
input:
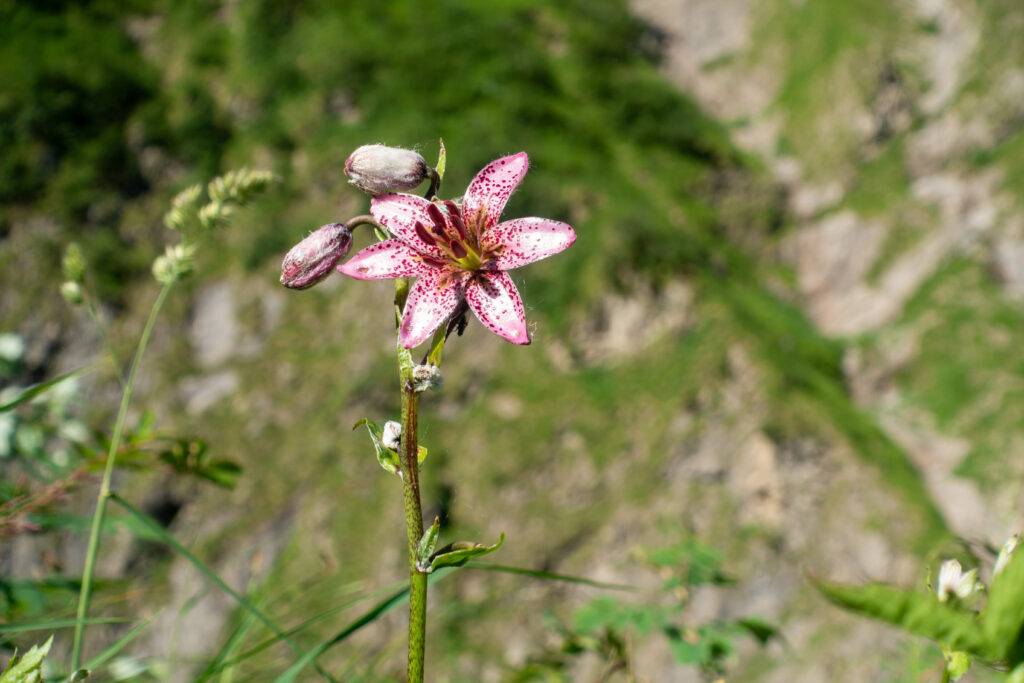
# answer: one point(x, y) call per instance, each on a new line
point(108, 472)
point(414, 529)
point(94, 314)
point(945, 672)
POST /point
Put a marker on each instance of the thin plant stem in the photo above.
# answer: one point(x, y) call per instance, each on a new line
point(414, 529)
point(94, 314)
point(108, 472)
point(945, 672)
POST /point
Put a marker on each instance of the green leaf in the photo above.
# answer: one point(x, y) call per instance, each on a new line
point(1017, 675)
point(550, 576)
point(957, 663)
point(79, 676)
point(31, 392)
point(222, 662)
point(458, 553)
point(916, 613)
point(28, 668)
point(686, 652)
point(102, 658)
point(405, 363)
point(380, 609)
point(437, 346)
point(53, 624)
point(1004, 615)
point(759, 628)
point(427, 545)
point(387, 458)
point(442, 160)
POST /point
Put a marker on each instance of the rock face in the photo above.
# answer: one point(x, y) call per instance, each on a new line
point(865, 241)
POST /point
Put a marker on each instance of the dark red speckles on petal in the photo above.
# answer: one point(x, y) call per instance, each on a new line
point(494, 299)
point(386, 260)
point(524, 240)
point(491, 188)
point(432, 300)
point(399, 213)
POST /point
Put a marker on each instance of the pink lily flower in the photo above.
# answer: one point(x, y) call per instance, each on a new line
point(460, 253)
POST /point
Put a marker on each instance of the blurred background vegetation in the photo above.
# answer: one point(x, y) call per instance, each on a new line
point(790, 327)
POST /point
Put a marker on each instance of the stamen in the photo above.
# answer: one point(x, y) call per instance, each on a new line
point(456, 218)
point(422, 233)
point(458, 249)
point(453, 208)
point(439, 222)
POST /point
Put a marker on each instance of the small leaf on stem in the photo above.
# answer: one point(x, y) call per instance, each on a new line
point(427, 545)
point(458, 553)
point(442, 159)
point(387, 457)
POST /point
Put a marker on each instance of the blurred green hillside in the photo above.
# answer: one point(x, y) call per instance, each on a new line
point(761, 357)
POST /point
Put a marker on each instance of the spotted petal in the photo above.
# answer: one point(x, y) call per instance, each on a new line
point(386, 260)
point(486, 196)
point(431, 302)
point(525, 240)
point(496, 302)
point(399, 213)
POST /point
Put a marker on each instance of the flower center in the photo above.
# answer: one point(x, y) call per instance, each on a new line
point(448, 232)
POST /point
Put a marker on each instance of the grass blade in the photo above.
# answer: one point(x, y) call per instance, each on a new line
point(550, 576)
point(218, 666)
point(53, 624)
point(102, 658)
point(36, 389)
point(170, 540)
point(386, 605)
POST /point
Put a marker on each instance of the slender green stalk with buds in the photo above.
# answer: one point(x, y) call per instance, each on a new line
point(459, 253)
point(187, 216)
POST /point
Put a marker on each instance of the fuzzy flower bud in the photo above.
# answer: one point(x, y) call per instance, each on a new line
point(391, 435)
point(312, 259)
point(426, 377)
point(376, 169)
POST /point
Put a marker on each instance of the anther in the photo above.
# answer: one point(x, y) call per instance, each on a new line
point(456, 218)
point(435, 215)
point(422, 233)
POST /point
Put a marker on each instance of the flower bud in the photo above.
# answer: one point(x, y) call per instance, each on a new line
point(312, 259)
point(376, 169)
point(426, 377)
point(391, 435)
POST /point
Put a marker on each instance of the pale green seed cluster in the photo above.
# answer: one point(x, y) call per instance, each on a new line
point(175, 263)
point(73, 268)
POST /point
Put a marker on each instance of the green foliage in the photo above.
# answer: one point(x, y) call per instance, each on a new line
point(917, 613)
point(29, 667)
point(603, 624)
point(1004, 614)
point(458, 553)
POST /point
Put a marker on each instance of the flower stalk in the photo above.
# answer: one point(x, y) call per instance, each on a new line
point(414, 530)
point(85, 592)
point(409, 464)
